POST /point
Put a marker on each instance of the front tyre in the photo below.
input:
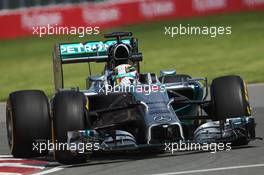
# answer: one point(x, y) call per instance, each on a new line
point(68, 115)
point(229, 98)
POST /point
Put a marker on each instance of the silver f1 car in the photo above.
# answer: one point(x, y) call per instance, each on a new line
point(123, 109)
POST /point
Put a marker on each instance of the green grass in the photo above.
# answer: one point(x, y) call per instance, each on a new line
point(26, 63)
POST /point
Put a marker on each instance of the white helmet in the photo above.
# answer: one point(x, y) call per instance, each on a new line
point(124, 75)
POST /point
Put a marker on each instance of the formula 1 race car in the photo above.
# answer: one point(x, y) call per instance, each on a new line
point(123, 109)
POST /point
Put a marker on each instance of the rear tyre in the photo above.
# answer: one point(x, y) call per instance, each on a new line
point(229, 98)
point(69, 114)
point(27, 120)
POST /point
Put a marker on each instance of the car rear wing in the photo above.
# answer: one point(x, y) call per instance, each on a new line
point(92, 51)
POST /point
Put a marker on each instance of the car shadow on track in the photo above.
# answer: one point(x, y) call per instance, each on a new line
point(111, 158)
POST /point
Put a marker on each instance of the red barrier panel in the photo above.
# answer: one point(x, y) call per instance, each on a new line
point(19, 23)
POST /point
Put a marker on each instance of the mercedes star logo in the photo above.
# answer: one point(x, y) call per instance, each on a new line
point(162, 118)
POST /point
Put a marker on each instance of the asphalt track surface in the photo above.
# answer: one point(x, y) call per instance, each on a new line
point(239, 161)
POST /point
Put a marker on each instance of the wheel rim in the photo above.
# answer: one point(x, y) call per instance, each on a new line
point(10, 131)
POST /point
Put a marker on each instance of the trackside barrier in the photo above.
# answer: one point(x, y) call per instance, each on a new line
point(18, 23)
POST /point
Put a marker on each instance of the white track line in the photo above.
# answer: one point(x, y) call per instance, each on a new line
point(211, 169)
point(6, 156)
point(48, 171)
point(9, 159)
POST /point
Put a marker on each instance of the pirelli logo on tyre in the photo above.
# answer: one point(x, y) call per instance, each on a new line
point(249, 109)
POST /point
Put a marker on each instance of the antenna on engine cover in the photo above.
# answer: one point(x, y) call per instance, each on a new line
point(118, 35)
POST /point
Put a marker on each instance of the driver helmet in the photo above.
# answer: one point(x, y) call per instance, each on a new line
point(124, 75)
